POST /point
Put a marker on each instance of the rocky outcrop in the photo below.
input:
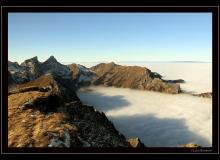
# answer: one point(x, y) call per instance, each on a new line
point(40, 115)
point(81, 74)
point(135, 77)
point(31, 69)
point(32, 66)
point(95, 130)
point(204, 95)
point(19, 74)
point(190, 145)
point(135, 143)
point(51, 65)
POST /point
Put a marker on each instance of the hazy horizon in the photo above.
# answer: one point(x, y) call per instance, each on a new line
point(124, 61)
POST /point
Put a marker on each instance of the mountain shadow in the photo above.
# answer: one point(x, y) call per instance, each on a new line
point(158, 132)
point(108, 102)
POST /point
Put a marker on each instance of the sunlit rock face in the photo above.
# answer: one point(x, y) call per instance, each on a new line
point(135, 77)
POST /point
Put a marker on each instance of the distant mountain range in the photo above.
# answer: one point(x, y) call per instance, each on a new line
point(108, 74)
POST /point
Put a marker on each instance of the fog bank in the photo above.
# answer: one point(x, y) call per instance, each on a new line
point(158, 119)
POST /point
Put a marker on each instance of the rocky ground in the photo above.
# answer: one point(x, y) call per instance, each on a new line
point(39, 115)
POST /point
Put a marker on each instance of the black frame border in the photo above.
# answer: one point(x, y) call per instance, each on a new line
point(100, 9)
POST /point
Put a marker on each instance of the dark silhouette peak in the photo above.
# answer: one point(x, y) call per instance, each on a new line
point(52, 58)
point(35, 58)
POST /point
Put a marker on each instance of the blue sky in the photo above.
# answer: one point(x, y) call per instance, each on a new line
point(91, 37)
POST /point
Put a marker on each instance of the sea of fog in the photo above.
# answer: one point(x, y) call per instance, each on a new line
point(159, 119)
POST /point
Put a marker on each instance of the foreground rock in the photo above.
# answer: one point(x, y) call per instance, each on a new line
point(135, 143)
point(204, 95)
point(111, 74)
point(40, 115)
point(190, 145)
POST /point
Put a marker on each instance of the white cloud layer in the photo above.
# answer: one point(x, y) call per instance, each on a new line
point(158, 119)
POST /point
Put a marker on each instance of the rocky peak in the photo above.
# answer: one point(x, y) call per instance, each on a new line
point(30, 62)
point(51, 65)
point(52, 59)
point(14, 67)
point(12, 64)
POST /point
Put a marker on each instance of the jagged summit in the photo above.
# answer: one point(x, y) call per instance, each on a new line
point(35, 58)
point(30, 62)
point(52, 59)
point(108, 74)
point(31, 69)
point(51, 65)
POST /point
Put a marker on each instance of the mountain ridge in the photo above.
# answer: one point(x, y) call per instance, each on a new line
point(134, 77)
point(40, 115)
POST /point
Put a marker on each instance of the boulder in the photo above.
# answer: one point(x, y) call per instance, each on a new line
point(135, 143)
point(190, 145)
